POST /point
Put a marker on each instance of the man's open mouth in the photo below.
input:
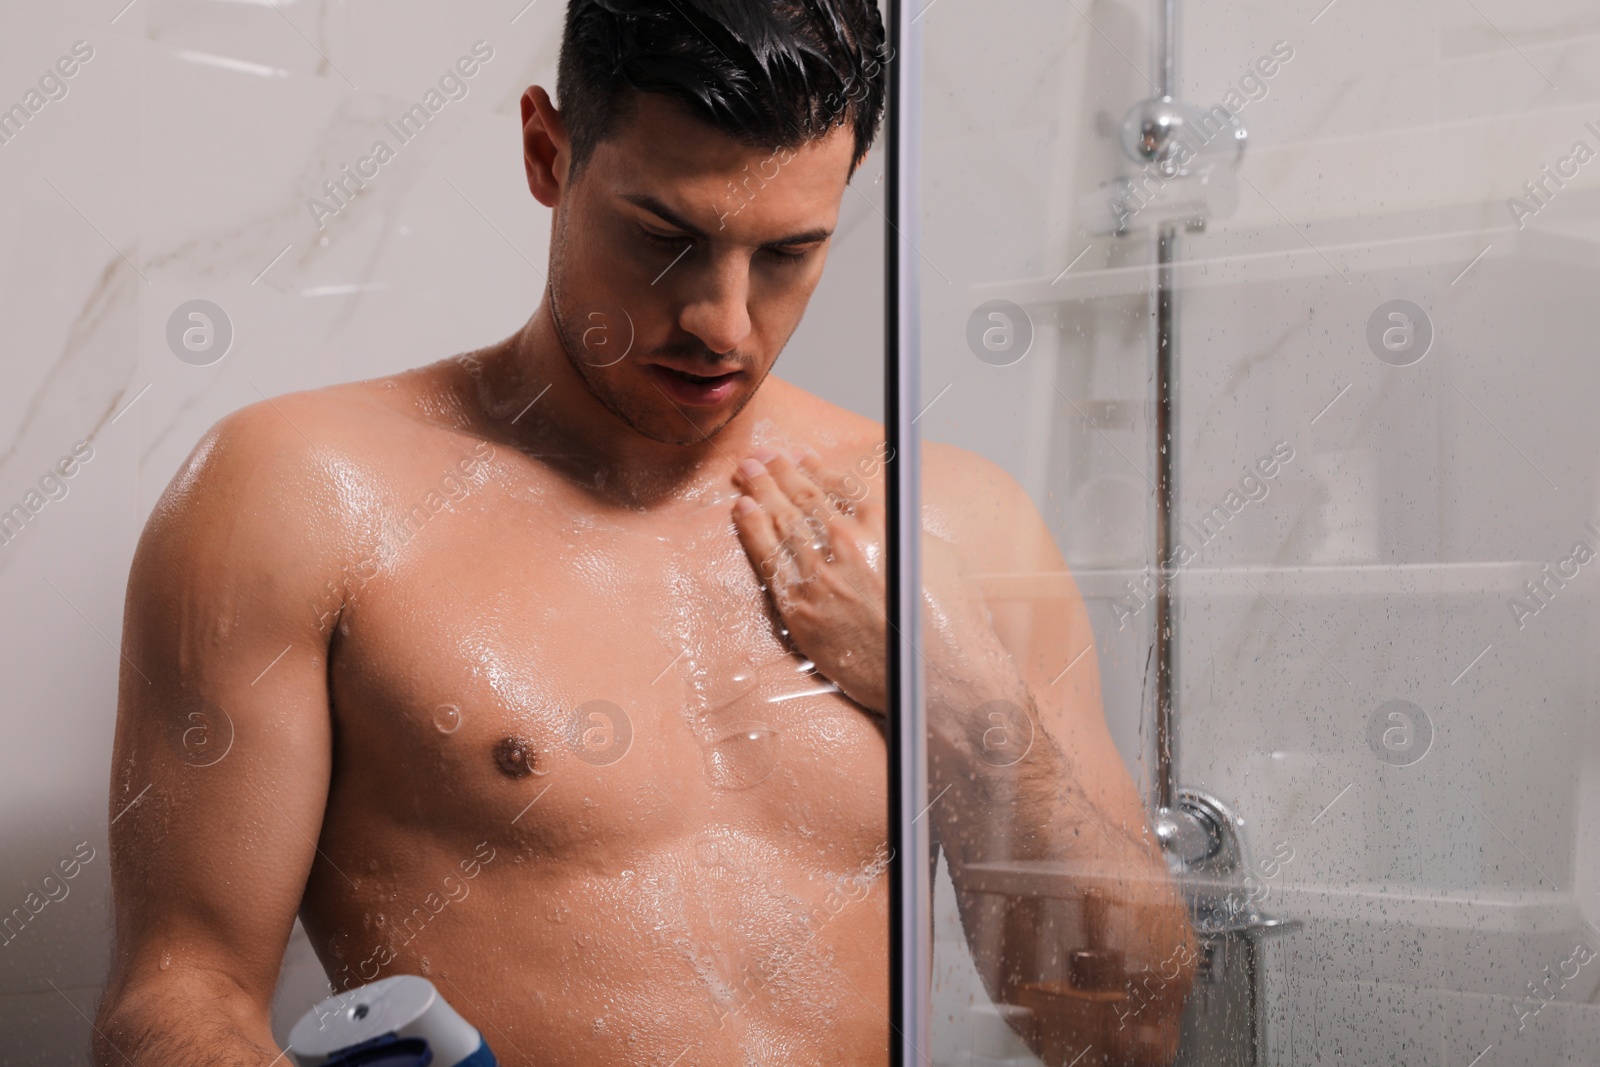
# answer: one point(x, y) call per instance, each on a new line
point(694, 390)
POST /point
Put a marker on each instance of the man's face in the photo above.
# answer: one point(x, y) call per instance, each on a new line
point(682, 261)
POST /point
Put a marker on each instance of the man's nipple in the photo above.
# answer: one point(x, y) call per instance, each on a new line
point(516, 757)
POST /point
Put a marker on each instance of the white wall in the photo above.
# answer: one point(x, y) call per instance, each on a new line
point(177, 167)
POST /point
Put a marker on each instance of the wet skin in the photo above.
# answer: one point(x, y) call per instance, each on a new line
point(703, 883)
point(582, 746)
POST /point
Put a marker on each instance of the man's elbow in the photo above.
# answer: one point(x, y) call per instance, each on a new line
point(181, 1021)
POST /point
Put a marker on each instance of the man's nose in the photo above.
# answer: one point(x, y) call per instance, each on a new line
point(717, 311)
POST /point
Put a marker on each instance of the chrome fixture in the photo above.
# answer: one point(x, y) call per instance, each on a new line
point(1156, 132)
point(1187, 160)
point(1209, 832)
point(1224, 1021)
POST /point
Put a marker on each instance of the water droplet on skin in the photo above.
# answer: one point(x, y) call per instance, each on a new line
point(447, 718)
point(743, 757)
point(424, 966)
point(166, 960)
point(558, 913)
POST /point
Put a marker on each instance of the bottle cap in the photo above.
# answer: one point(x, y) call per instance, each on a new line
point(404, 1011)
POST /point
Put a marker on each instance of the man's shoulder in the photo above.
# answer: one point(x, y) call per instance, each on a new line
point(960, 481)
point(299, 472)
point(820, 422)
point(356, 418)
point(975, 504)
point(375, 424)
point(953, 477)
point(338, 431)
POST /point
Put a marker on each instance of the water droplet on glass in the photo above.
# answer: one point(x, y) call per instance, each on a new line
point(743, 757)
point(447, 718)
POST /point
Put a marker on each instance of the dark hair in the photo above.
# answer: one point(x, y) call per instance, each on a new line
point(769, 72)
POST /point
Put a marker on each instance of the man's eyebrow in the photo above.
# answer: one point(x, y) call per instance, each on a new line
point(805, 237)
point(666, 214)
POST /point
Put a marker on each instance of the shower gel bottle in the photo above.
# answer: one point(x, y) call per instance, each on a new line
point(1075, 1020)
point(394, 1022)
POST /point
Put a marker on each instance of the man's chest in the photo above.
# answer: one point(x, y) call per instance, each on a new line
point(578, 680)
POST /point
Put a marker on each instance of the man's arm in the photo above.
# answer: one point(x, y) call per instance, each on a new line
point(223, 744)
point(1021, 765)
point(1018, 736)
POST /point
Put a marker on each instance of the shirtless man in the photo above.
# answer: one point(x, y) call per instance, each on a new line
point(526, 671)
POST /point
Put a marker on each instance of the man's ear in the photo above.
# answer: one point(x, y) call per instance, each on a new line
point(546, 150)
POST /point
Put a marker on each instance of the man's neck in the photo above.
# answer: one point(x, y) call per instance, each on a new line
point(545, 406)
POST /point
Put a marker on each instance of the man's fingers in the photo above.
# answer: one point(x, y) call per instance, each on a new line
point(759, 537)
point(846, 490)
point(806, 506)
point(800, 487)
point(794, 535)
point(807, 526)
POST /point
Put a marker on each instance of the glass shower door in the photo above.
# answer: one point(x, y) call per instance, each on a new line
point(1294, 370)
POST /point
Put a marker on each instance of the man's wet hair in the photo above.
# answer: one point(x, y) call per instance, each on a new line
point(770, 73)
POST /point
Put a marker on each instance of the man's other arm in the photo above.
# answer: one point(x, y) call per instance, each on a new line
point(1044, 781)
point(223, 748)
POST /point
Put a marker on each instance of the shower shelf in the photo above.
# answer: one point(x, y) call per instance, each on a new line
point(1267, 256)
point(1493, 578)
point(1226, 267)
point(1529, 911)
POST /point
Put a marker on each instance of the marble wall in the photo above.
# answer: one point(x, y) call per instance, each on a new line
point(175, 163)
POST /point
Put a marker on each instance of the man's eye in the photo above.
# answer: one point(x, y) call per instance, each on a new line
point(789, 257)
point(664, 240)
